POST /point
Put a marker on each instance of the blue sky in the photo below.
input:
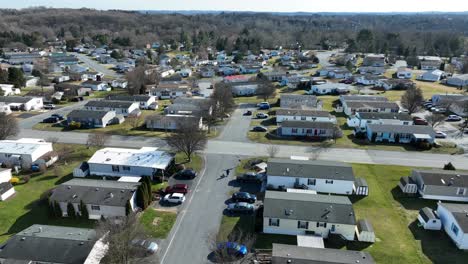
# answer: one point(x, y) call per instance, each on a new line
point(253, 5)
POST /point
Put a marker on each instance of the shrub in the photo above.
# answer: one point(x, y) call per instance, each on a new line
point(14, 180)
point(449, 166)
point(26, 178)
point(74, 125)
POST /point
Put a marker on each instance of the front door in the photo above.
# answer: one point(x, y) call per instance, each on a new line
point(315, 132)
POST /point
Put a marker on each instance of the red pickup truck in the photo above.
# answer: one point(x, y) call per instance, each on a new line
point(177, 188)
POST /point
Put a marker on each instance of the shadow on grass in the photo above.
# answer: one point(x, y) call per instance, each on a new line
point(437, 245)
point(411, 202)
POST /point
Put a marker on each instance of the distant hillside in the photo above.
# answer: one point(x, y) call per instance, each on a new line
point(427, 33)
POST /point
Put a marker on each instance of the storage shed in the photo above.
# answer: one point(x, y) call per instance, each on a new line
point(428, 219)
point(365, 231)
point(407, 185)
point(361, 187)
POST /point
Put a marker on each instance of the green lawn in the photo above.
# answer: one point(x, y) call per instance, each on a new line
point(347, 141)
point(399, 239)
point(196, 163)
point(26, 208)
point(160, 227)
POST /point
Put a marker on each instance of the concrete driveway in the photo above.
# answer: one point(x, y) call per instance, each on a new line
point(238, 126)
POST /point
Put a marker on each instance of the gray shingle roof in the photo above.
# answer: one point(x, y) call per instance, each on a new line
point(367, 98)
point(97, 192)
point(307, 124)
point(372, 104)
point(128, 98)
point(443, 177)
point(381, 115)
point(361, 182)
point(306, 255)
point(302, 112)
point(109, 103)
point(402, 129)
point(298, 101)
point(319, 169)
point(87, 114)
point(52, 244)
point(307, 207)
point(15, 99)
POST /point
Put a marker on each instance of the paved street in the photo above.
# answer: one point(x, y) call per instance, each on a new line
point(94, 65)
point(238, 125)
point(200, 217)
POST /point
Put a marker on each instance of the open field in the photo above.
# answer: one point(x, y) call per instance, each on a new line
point(399, 239)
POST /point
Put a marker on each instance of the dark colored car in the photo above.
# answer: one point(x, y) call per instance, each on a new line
point(259, 129)
point(248, 113)
point(244, 197)
point(187, 174)
point(177, 188)
point(250, 177)
point(420, 121)
point(240, 208)
point(60, 117)
point(233, 248)
point(50, 120)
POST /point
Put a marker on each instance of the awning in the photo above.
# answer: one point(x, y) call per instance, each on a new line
point(310, 241)
point(422, 136)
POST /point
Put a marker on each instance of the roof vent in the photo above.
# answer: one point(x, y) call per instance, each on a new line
point(81, 243)
point(23, 239)
point(75, 196)
point(97, 189)
point(108, 159)
point(111, 195)
point(458, 176)
point(442, 180)
point(69, 187)
point(288, 212)
point(122, 191)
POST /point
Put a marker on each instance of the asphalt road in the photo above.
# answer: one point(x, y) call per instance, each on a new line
point(238, 125)
point(96, 65)
point(191, 238)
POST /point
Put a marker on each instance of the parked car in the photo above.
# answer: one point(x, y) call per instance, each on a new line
point(233, 248)
point(453, 118)
point(440, 110)
point(175, 198)
point(250, 177)
point(49, 106)
point(262, 115)
point(420, 121)
point(264, 106)
point(248, 113)
point(259, 129)
point(60, 117)
point(177, 188)
point(428, 106)
point(240, 208)
point(186, 174)
point(440, 134)
point(244, 197)
point(149, 246)
point(50, 120)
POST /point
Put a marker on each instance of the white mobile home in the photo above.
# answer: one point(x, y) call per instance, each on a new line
point(454, 218)
point(119, 162)
point(290, 213)
point(320, 176)
point(24, 151)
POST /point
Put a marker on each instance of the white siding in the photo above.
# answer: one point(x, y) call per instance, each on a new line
point(290, 227)
point(448, 221)
point(337, 187)
point(106, 170)
point(7, 194)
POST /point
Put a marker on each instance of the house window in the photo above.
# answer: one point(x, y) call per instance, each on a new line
point(115, 168)
point(309, 131)
point(95, 207)
point(294, 130)
point(274, 222)
point(328, 181)
point(405, 123)
point(303, 118)
point(454, 229)
point(311, 181)
point(126, 168)
point(321, 224)
point(461, 191)
point(302, 225)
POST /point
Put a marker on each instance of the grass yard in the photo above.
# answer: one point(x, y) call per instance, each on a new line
point(196, 163)
point(399, 239)
point(157, 223)
point(26, 208)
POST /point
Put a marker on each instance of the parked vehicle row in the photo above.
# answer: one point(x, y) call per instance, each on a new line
point(251, 177)
point(53, 119)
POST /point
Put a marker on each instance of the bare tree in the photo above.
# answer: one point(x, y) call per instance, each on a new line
point(119, 234)
point(272, 150)
point(188, 138)
point(98, 139)
point(139, 77)
point(266, 89)
point(134, 121)
point(8, 126)
point(222, 99)
point(336, 133)
point(434, 119)
point(412, 100)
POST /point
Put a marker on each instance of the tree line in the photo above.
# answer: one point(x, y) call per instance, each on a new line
point(429, 34)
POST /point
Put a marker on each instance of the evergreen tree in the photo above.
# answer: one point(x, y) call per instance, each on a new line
point(147, 181)
point(58, 210)
point(71, 210)
point(16, 77)
point(84, 210)
point(449, 166)
point(140, 198)
point(128, 208)
point(52, 211)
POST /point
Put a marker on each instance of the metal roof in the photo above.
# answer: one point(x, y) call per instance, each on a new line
point(310, 169)
point(144, 157)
